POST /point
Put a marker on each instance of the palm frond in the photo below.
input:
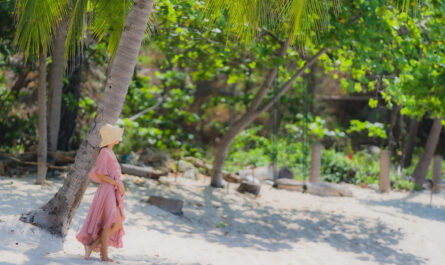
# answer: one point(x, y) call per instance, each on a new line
point(76, 28)
point(37, 21)
point(299, 20)
point(295, 18)
point(109, 19)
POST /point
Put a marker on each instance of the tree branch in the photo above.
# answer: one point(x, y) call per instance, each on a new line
point(270, 78)
point(137, 116)
point(289, 83)
point(267, 32)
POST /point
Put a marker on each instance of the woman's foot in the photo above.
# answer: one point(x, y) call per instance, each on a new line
point(107, 259)
point(88, 250)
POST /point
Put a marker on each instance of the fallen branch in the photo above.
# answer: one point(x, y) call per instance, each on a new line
point(33, 163)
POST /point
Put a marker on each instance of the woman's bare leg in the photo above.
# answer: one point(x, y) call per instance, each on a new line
point(104, 244)
point(114, 228)
point(118, 224)
point(92, 246)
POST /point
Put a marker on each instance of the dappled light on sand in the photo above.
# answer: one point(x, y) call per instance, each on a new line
point(280, 227)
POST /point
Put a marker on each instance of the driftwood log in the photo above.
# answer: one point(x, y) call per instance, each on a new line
point(320, 189)
point(229, 177)
point(170, 205)
point(144, 172)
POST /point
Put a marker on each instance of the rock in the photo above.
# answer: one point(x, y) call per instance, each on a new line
point(260, 173)
point(268, 182)
point(285, 173)
point(173, 206)
point(152, 158)
point(374, 187)
point(250, 179)
point(190, 173)
point(184, 166)
point(250, 188)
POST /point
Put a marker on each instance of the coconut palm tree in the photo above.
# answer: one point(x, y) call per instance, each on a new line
point(55, 86)
point(57, 214)
point(290, 16)
point(34, 38)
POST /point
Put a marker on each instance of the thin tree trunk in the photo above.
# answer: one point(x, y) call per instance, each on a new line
point(385, 166)
point(42, 147)
point(410, 143)
point(421, 169)
point(55, 85)
point(252, 113)
point(314, 173)
point(392, 143)
point(437, 173)
point(56, 215)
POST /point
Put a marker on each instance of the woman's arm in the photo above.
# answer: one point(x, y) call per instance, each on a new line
point(107, 179)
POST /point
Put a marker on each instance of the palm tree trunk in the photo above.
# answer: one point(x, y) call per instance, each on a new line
point(42, 148)
point(69, 112)
point(55, 85)
point(421, 169)
point(56, 215)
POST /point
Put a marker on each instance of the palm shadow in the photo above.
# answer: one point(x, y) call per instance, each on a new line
point(249, 224)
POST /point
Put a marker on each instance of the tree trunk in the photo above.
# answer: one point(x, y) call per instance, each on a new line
point(437, 173)
point(421, 169)
point(253, 112)
point(385, 166)
point(314, 174)
point(392, 142)
point(42, 147)
point(223, 148)
point(57, 214)
point(55, 86)
point(69, 112)
point(410, 143)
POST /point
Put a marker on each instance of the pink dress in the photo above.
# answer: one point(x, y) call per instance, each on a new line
point(103, 210)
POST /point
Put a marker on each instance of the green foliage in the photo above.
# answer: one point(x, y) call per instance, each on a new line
point(375, 130)
point(336, 167)
point(393, 55)
point(316, 128)
point(250, 148)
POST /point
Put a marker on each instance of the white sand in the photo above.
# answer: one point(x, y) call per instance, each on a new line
point(279, 227)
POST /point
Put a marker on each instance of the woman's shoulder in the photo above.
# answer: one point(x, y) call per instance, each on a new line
point(105, 152)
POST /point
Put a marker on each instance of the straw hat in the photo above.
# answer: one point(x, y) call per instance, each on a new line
point(110, 134)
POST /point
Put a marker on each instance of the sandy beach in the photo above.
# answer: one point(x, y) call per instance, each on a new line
point(222, 226)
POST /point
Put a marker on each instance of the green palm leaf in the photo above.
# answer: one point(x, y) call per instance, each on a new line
point(37, 21)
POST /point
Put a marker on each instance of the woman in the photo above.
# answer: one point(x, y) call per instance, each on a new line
point(103, 225)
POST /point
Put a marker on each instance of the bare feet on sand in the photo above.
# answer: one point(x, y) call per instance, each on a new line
point(88, 250)
point(107, 259)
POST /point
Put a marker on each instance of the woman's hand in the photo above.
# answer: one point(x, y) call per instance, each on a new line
point(121, 188)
